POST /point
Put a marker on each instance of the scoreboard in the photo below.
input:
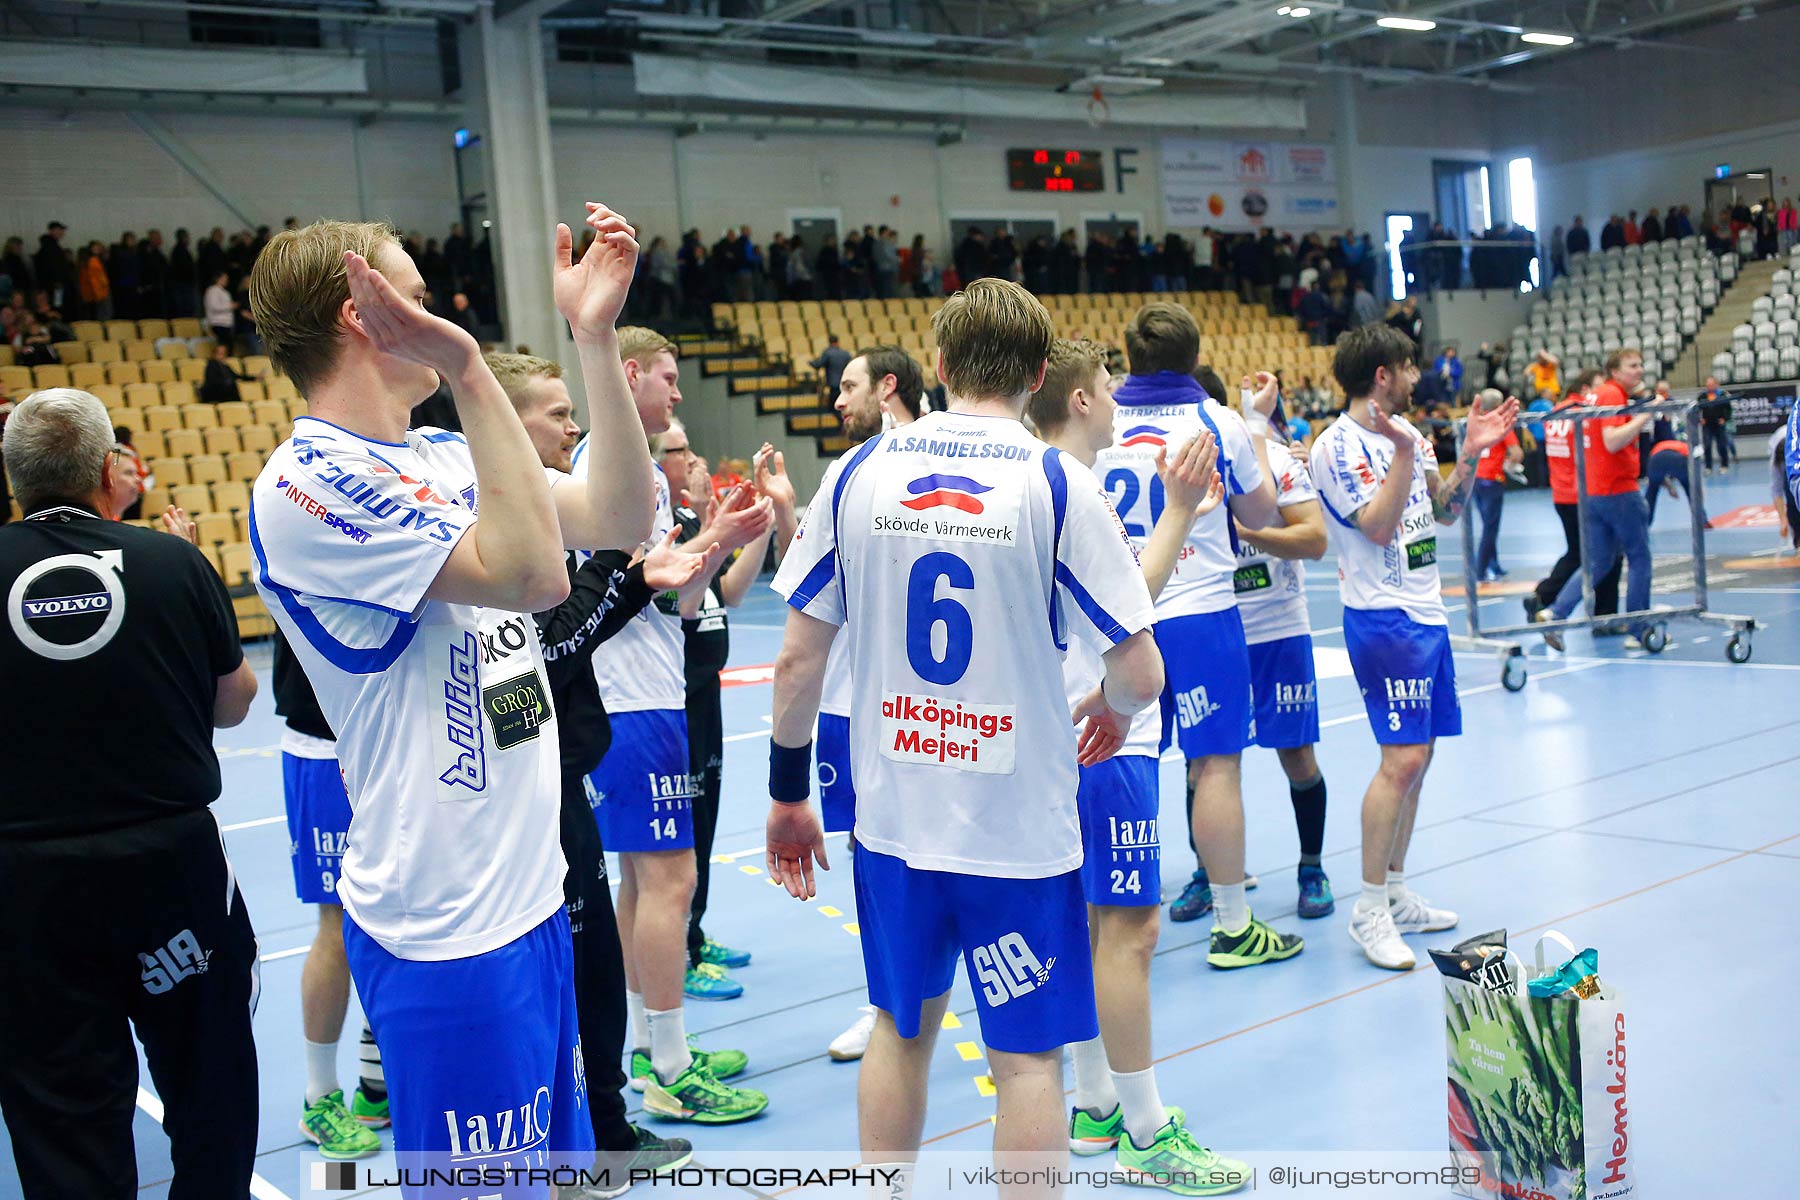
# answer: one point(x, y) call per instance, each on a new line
point(1054, 171)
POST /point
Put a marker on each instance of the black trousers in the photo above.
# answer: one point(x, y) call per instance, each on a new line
point(143, 927)
point(599, 968)
point(1606, 592)
point(1716, 435)
point(706, 762)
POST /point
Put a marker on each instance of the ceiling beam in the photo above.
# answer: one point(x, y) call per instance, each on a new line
point(1622, 36)
point(787, 10)
point(1353, 30)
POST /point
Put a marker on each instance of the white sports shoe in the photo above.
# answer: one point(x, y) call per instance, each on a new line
point(1373, 930)
point(849, 1045)
point(1412, 913)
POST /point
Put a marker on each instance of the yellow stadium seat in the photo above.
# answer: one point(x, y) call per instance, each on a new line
point(15, 381)
point(169, 472)
point(199, 416)
point(280, 387)
point(157, 372)
point(250, 391)
point(157, 499)
point(104, 352)
point(296, 408)
point(140, 351)
point(206, 468)
point(69, 352)
point(153, 328)
point(171, 349)
point(142, 395)
point(50, 376)
point(244, 466)
point(149, 445)
point(231, 495)
point(237, 564)
point(124, 372)
point(190, 370)
point(221, 441)
point(269, 412)
point(215, 528)
point(186, 327)
point(257, 364)
point(181, 442)
point(260, 440)
point(88, 331)
point(193, 497)
point(233, 414)
point(120, 331)
point(179, 393)
point(86, 375)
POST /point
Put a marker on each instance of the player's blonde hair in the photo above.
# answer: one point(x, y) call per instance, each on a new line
point(993, 336)
point(640, 345)
point(297, 293)
point(516, 371)
point(1073, 364)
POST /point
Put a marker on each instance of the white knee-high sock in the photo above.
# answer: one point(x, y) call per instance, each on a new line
point(640, 1027)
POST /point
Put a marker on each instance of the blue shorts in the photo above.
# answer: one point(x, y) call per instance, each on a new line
point(1122, 856)
point(1407, 676)
point(482, 1055)
point(1206, 694)
point(643, 792)
point(1024, 943)
point(1287, 693)
point(837, 791)
point(318, 821)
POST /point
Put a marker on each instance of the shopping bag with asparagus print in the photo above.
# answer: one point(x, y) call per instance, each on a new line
point(1537, 1072)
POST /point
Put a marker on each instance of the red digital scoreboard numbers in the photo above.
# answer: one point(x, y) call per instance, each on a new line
point(1054, 171)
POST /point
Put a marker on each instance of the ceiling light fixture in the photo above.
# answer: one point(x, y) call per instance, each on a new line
point(1298, 13)
point(1547, 39)
point(1410, 24)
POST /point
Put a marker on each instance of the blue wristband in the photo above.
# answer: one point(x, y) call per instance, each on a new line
point(790, 772)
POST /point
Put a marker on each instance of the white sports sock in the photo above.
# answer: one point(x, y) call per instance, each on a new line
point(669, 1052)
point(1374, 895)
point(1093, 1080)
point(1231, 910)
point(368, 1056)
point(1142, 1104)
point(321, 1071)
point(640, 1027)
point(1396, 886)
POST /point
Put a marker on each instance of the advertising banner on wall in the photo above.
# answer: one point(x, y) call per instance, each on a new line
point(1247, 185)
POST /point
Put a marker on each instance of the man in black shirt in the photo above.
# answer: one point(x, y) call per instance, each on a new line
point(605, 592)
point(118, 901)
point(1715, 418)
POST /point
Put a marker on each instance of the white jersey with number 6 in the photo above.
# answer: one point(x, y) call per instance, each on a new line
point(1349, 464)
point(962, 552)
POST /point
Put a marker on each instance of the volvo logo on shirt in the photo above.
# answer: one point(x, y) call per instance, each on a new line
point(67, 607)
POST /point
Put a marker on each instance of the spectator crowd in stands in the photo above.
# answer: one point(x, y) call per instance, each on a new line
point(136, 278)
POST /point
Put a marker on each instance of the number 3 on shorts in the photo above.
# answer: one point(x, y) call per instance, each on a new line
point(1394, 721)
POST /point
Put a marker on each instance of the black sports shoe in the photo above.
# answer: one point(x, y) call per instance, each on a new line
point(613, 1168)
point(1533, 606)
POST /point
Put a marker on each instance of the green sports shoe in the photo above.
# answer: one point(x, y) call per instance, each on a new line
point(1259, 942)
point(1176, 1162)
point(373, 1113)
point(721, 955)
point(696, 1096)
point(708, 981)
point(720, 1064)
point(330, 1126)
point(1090, 1135)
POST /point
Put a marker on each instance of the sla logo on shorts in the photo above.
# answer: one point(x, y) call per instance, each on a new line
point(968, 737)
point(1008, 969)
point(171, 964)
point(955, 508)
point(1193, 707)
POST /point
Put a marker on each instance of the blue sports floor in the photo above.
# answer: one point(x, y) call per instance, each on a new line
point(1643, 805)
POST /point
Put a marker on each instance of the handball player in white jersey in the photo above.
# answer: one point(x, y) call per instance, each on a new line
point(402, 566)
point(1378, 480)
point(962, 554)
